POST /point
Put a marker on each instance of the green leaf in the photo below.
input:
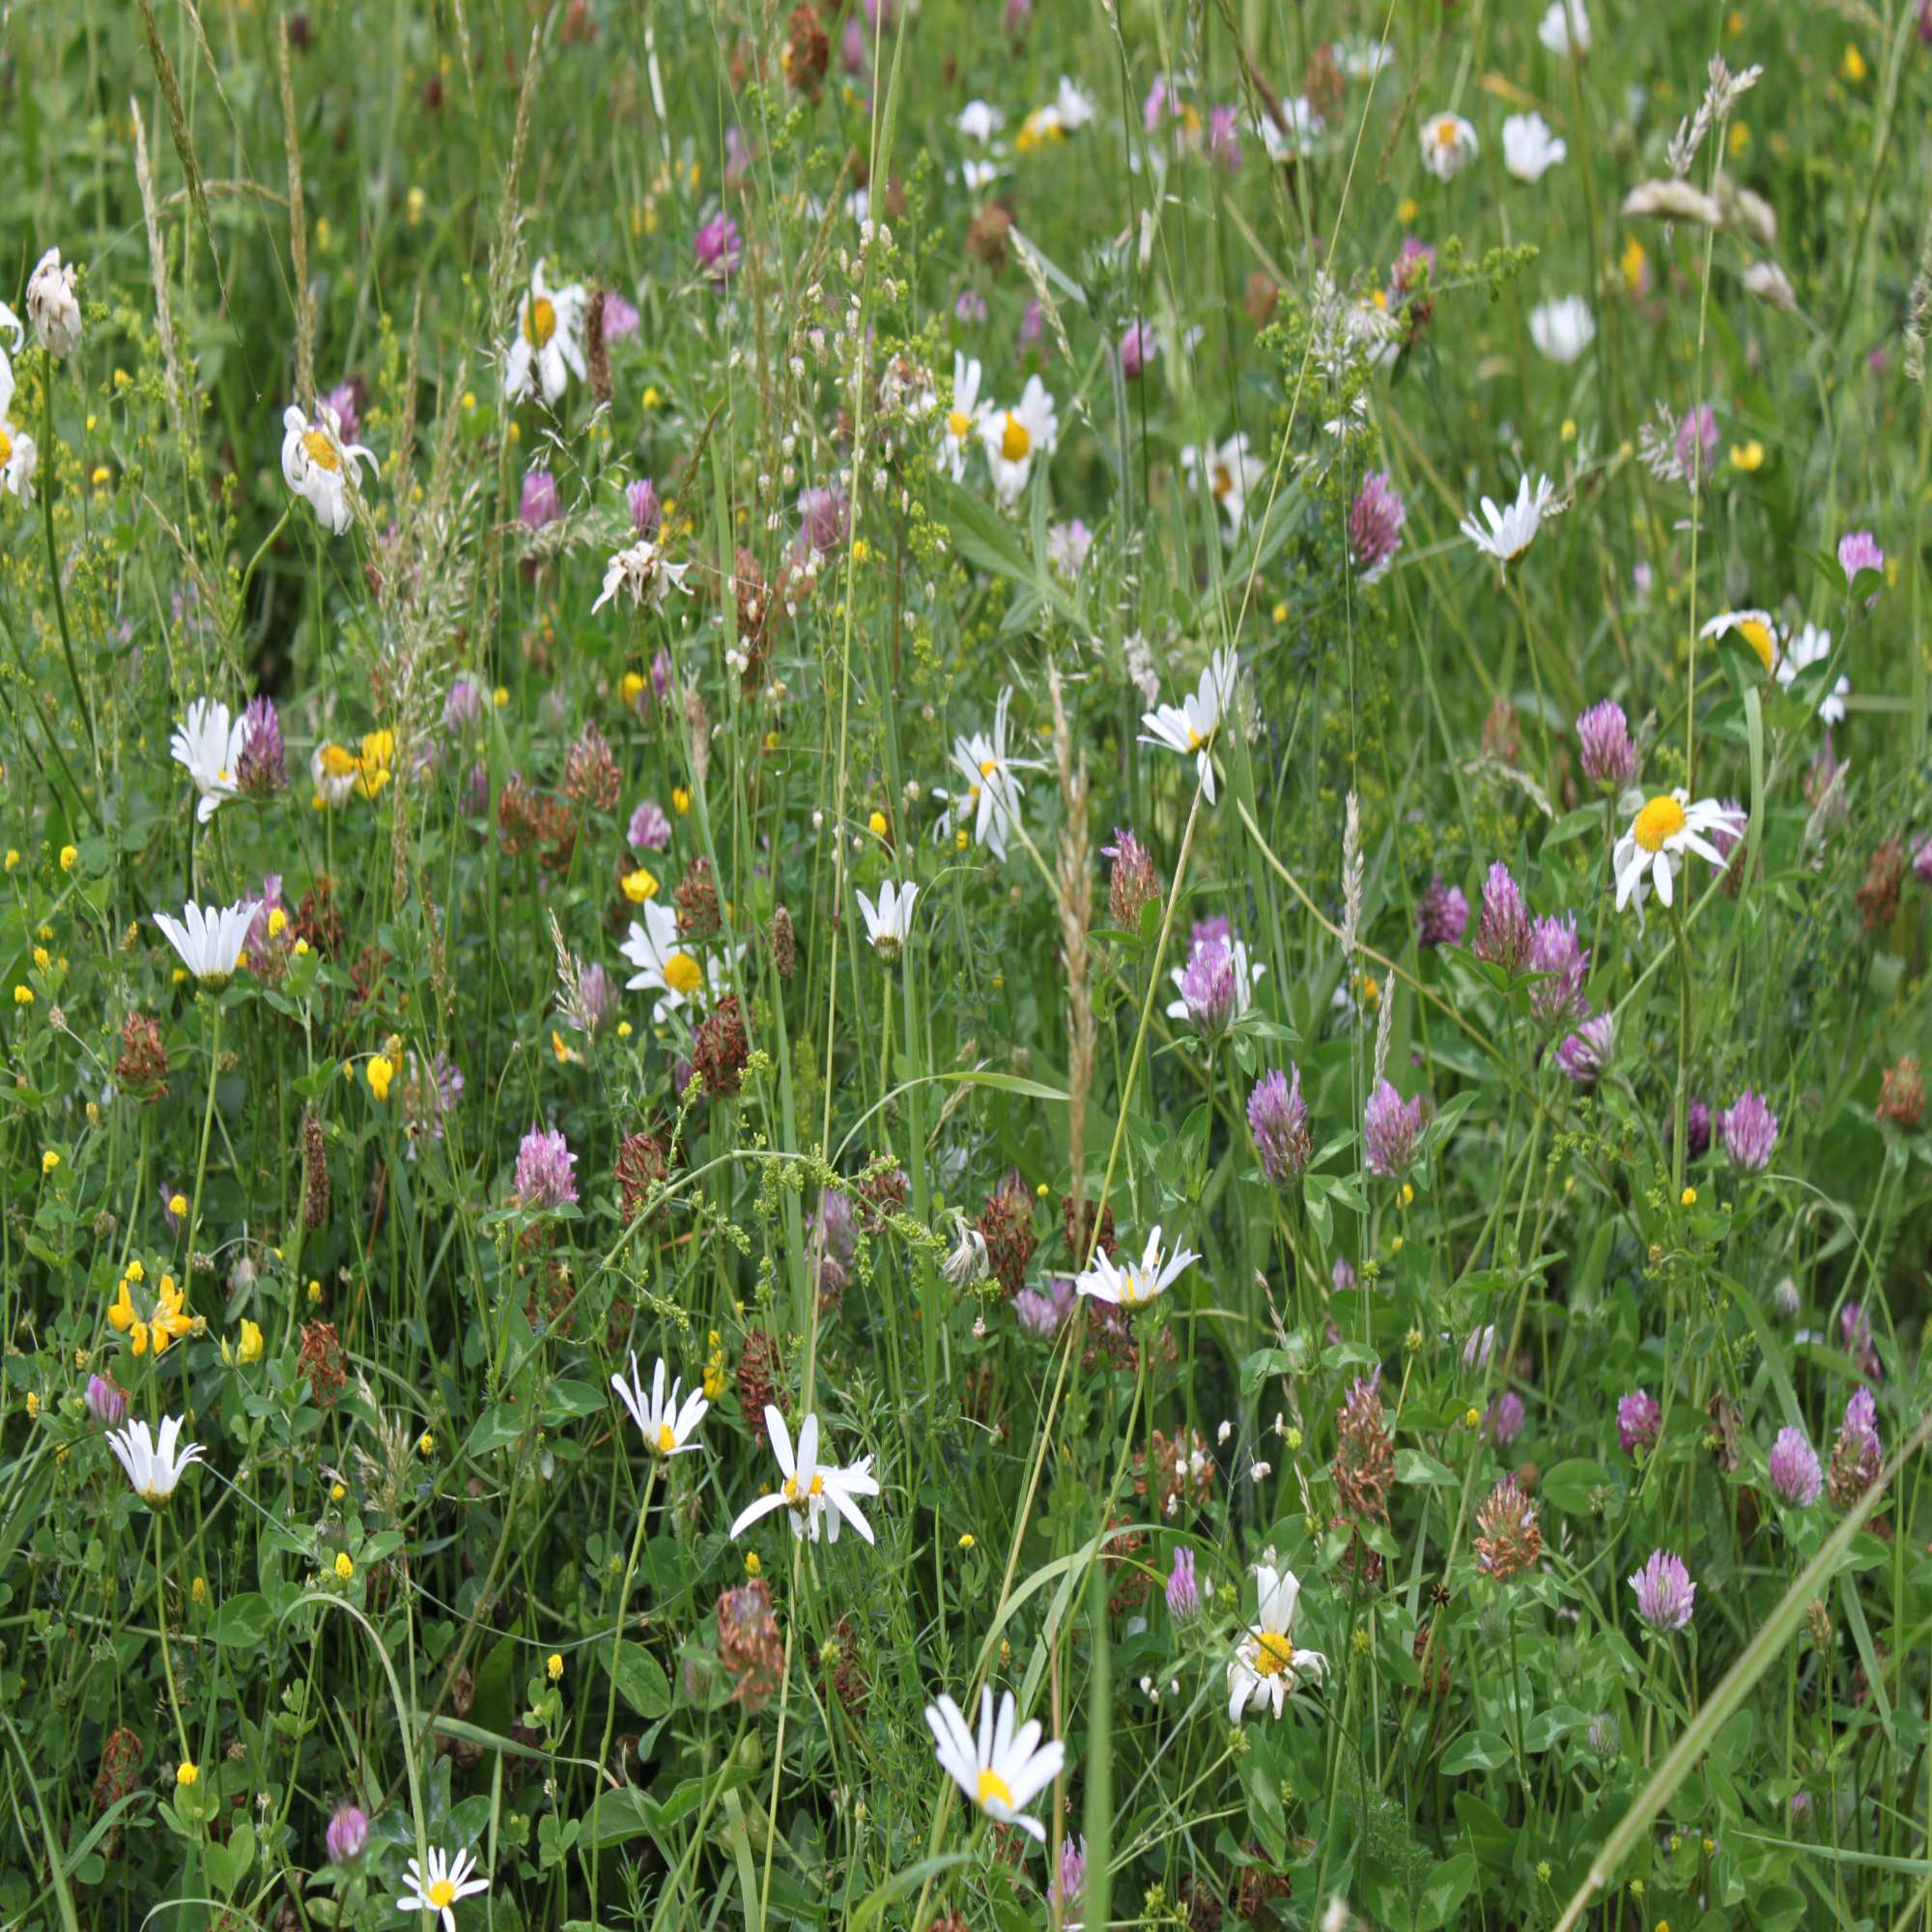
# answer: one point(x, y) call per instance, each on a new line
point(642, 1682)
point(1570, 1484)
point(1475, 1750)
point(1412, 1465)
point(1447, 1887)
point(242, 1622)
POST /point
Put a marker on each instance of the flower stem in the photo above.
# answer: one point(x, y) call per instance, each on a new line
point(617, 1651)
point(201, 1160)
point(54, 573)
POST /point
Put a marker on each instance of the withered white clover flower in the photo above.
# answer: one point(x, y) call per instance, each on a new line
point(548, 349)
point(642, 573)
point(53, 306)
point(318, 466)
point(210, 938)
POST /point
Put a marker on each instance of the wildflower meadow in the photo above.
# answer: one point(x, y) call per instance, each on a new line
point(965, 965)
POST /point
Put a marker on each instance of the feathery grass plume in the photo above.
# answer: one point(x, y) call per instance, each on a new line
point(177, 128)
point(1073, 901)
point(1351, 882)
point(157, 268)
point(1385, 1025)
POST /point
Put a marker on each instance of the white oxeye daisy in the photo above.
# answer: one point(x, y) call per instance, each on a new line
point(439, 1888)
point(1072, 107)
point(664, 1422)
point(155, 1464)
point(317, 464)
point(962, 419)
point(888, 924)
point(1664, 829)
point(1294, 134)
point(978, 175)
point(1189, 727)
point(1562, 330)
point(980, 121)
point(1448, 145)
point(1129, 1285)
point(816, 1494)
point(1812, 647)
point(1512, 531)
point(210, 938)
point(1003, 1768)
point(1565, 29)
point(1230, 472)
point(993, 792)
point(549, 348)
point(1757, 628)
point(662, 965)
point(53, 306)
point(18, 456)
point(1014, 437)
point(209, 743)
point(641, 571)
point(1266, 1667)
point(1530, 149)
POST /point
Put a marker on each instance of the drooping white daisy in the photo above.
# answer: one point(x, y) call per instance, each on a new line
point(317, 464)
point(209, 743)
point(642, 572)
point(816, 1494)
point(1812, 647)
point(1189, 727)
point(1230, 472)
point(1003, 1769)
point(1266, 1667)
point(662, 965)
point(1130, 1284)
point(980, 121)
point(548, 349)
point(1073, 106)
point(1014, 437)
point(1448, 145)
point(1565, 29)
point(1757, 628)
point(665, 1424)
point(1512, 531)
point(1563, 329)
point(1663, 830)
point(52, 305)
point(993, 791)
point(1530, 149)
point(1361, 58)
point(210, 938)
point(1304, 127)
point(439, 1888)
point(155, 1464)
point(887, 925)
point(962, 419)
point(18, 456)
point(978, 175)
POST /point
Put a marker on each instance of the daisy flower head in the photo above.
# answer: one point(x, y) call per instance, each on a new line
point(1231, 473)
point(1134, 1283)
point(961, 422)
point(642, 573)
point(1014, 437)
point(993, 792)
point(980, 121)
point(439, 1886)
point(549, 345)
point(1757, 628)
point(817, 1494)
point(1512, 529)
point(1189, 727)
point(1565, 29)
point(1562, 330)
point(1530, 149)
point(1666, 828)
point(1448, 145)
point(210, 938)
point(317, 464)
point(18, 457)
point(665, 1424)
point(52, 305)
point(154, 1464)
point(1812, 647)
point(1003, 1768)
point(1267, 1668)
point(208, 742)
point(663, 964)
point(888, 923)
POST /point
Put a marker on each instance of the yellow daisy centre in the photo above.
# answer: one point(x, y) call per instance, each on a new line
point(1273, 1653)
point(441, 1893)
point(667, 1438)
point(992, 1785)
point(1223, 480)
point(151, 1494)
point(1660, 819)
point(958, 423)
point(539, 322)
point(1756, 632)
point(320, 450)
point(988, 766)
point(1195, 740)
point(6, 448)
point(1015, 442)
point(1445, 133)
point(683, 974)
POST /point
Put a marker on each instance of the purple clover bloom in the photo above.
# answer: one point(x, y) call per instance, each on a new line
point(347, 1833)
point(1639, 1421)
point(1224, 138)
point(1750, 1132)
point(1375, 526)
point(823, 515)
point(1503, 1423)
point(649, 828)
point(1042, 1312)
point(1665, 1595)
point(620, 317)
point(1603, 736)
point(261, 767)
point(1855, 1330)
point(970, 307)
point(646, 512)
point(1278, 1119)
point(1859, 551)
point(1502, 933)
point(1442, 915)
point(597, 991)
point(1071, 1880)
point(1031, 338)
point(719, 246)
point(1207, 987)
point(1137, 349)
point(1695, 444)
point(541, 504)
point(1585, 1053)
point(1557, 999)
point(1341, 1276)
point(1390, 1125)
point(107, 1400)
point(1183, 1592)
point(462, 708)
point(1794, 1470)
point(545, 1169)
point(348, 418)
point(833, 1238)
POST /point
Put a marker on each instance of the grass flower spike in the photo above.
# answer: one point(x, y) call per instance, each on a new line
point(1003, 1769)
